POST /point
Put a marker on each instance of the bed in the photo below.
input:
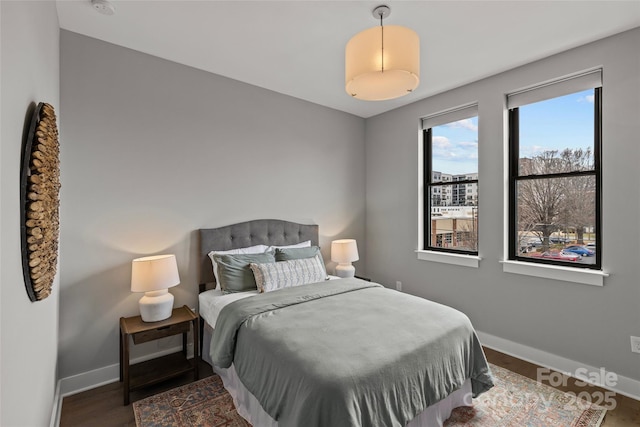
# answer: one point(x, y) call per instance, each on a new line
point(343, 352)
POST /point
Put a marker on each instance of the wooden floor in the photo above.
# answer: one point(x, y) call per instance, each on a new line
point(102, 406)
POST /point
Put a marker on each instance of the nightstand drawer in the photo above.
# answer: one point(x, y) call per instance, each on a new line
point(161, 332)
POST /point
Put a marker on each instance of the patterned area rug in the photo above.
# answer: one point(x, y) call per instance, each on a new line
point(515, 401)
point(203, 403)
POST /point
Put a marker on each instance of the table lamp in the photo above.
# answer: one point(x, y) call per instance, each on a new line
point(344, 252)
point(153, 275)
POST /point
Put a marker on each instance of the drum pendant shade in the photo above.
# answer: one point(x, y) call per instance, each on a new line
point(382, 63)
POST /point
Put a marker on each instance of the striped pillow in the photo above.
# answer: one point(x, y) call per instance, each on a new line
point(286, 274)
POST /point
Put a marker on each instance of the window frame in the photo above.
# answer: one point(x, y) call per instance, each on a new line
point(428, 184)
point(514, 178)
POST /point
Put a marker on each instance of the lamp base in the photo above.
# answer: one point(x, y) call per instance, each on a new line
point(344, 270)
point(156, 305)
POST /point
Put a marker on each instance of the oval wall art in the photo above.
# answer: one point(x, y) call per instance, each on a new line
point(39, 194)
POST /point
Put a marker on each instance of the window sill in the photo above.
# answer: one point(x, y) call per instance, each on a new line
point(556, 272)
point(449, 258)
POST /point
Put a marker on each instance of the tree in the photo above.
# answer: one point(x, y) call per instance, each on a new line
point(540, 201)
point(468, 230)
point(546, 205)
point(579, 206)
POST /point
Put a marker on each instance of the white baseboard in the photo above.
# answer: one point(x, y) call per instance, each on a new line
point(57, 407)
point(623, 385)
point(98, 377)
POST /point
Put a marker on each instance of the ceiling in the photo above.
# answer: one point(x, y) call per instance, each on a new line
point(297, 47)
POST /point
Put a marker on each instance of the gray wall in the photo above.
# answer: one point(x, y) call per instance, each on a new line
point(30, 74)
point(154, 150)
point(579, 322)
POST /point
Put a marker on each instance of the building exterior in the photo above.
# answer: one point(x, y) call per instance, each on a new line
point(454, 195)
point(454, 227)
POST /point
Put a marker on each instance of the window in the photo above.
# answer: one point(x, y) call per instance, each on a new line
point(555, 173)
point(450, 149)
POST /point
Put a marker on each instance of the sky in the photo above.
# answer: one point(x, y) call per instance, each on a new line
point(554, 124)
point(455, 147)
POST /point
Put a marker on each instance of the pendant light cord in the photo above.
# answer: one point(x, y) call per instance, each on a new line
point(382, 33)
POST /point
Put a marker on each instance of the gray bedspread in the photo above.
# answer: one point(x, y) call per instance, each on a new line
point(348, 353)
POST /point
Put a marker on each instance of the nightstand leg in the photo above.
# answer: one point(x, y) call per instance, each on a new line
point(125, 367)
point(196, 348)
point(184, 343)
point(121, 358)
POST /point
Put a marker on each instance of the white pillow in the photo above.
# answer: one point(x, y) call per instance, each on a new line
point(285, 274)
point(257, 249)
point(305, 244)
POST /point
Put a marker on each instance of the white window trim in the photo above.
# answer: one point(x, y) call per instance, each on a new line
point(556, 272)
point(435, 256)
point(463, 260)
point(436, 119)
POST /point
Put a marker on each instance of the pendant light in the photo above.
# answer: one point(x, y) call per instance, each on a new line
point(382, 62)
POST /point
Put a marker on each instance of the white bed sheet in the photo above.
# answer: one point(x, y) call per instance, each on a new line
point(212, 302)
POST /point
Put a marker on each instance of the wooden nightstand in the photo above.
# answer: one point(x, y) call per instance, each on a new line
point(161, 368)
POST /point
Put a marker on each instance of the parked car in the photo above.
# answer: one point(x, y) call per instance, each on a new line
point(559, 255)
point(553, 239)
point(534, 242)
point(591, 245)
point(580, 250)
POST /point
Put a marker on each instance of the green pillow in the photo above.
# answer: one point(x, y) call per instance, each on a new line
point(234, 273)
point(289, 254)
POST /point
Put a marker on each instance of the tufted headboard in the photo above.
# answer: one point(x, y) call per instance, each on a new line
point(250, 233)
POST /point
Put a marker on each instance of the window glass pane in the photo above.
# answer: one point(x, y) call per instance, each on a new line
point(556, 135)
point(454, 150)
point(453, 227)
point(556, 219)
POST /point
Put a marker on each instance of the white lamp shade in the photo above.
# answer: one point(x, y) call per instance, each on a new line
point(154, 273)
point(364, 75)
point(344, 251)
